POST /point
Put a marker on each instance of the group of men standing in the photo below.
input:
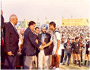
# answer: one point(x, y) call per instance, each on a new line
point(34, 44)
point(37, 46)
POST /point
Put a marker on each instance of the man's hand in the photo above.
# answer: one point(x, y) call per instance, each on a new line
point(20, 50)
point(88, 49)
point(10, 53)
point(43, 43)
point(36, 41)
point(67, 48)
point(56, 53)
point(41, 47)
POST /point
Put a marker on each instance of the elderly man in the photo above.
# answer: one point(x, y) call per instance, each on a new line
point(11, 42)
point(44, 38)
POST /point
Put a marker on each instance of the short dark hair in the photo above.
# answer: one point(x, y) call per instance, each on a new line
point(36, 28)
point(72, 39)
point(52, 23)
point(76, 38)
point(68, 38)
point(31, 23)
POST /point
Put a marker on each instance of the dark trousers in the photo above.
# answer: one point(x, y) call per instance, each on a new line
point(62, 56)
point(2, 56)
point(10, 62)
point(81, 56)
point(19, 61)
point(69, 55)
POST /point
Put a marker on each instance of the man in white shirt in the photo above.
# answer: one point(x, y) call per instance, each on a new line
point(55, 39)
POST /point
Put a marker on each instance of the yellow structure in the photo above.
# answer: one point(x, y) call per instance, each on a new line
point(75, 22)
point(26, 24)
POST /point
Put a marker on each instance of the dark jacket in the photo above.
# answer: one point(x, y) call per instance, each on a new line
point(47, 50)
point(87, 45)
point(29, 43)
point(37, 50)
point(2, 28)
point(70, 47)
point(76, 46)
point(11, 39)
point(2, 21)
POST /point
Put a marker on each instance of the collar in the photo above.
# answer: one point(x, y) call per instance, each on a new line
point(12, 24)
point(31, 30)
point(36, 34)
point(54, 30)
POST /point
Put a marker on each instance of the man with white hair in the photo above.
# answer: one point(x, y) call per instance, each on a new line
point(11, 42)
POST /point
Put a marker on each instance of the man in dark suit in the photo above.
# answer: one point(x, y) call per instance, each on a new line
point(44, 38)
point(2, 38)
point(11, 42)
point(29, 45)
point(37, 51)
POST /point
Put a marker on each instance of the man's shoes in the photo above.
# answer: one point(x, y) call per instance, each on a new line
point(67, 64)
point(63, 63)
point(75, 62)
point(79, 63)
point(57, 68)
point(54, 67)
point(60, 64)
point(85, 62)
point(89, 63)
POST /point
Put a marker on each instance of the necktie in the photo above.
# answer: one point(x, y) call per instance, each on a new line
point(15, 29)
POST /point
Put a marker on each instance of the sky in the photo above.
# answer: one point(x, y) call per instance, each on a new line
point(42, 10)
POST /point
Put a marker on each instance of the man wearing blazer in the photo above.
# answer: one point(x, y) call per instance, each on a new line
point(44, 38)
point(29, 45)
point(11, 42)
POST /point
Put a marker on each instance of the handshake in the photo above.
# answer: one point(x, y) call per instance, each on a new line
point(42, 46)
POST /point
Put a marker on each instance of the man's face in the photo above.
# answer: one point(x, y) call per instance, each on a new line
point(22, 31)
point(68, 40)
point(15, 20)
point(62, 39)
point(80, 41)
point(44, 29)
point(1, 12)
point(76, 40)
point(72, 40)
point(87, 40)
point(37, 31)
point(50, 27)
point(32, 27)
